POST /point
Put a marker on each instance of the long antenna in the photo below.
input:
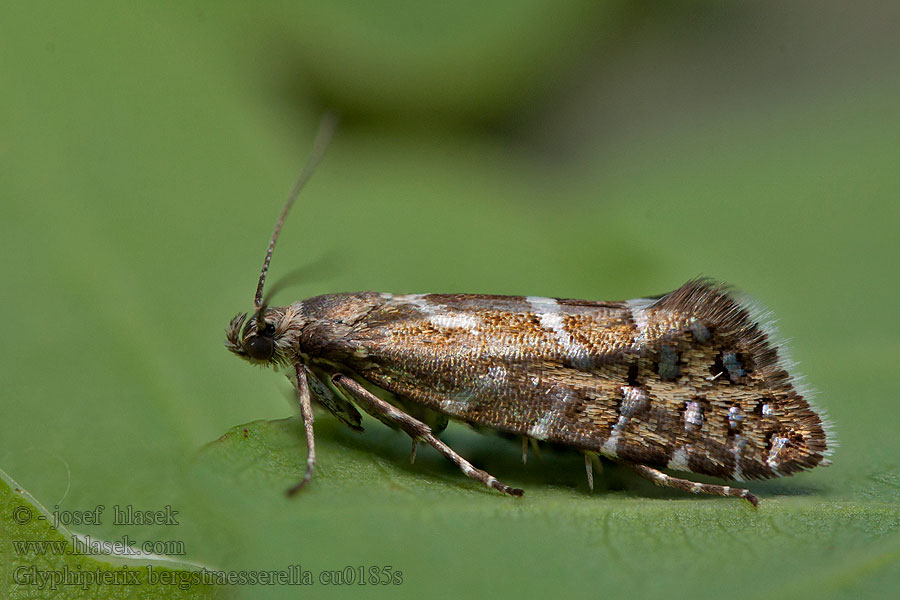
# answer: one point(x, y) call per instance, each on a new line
point(323, 137)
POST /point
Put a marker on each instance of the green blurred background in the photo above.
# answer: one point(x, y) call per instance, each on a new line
point(555, 148)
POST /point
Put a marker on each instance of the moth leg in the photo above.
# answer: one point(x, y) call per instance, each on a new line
point(307, 413)
point(418, 431)
point(535, 447)
point(524, 450)
point(661, 479)
point(589, 469)
point(412, 453)
point(591, 461)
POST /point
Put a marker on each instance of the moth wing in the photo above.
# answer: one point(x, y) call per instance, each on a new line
point(332, 399)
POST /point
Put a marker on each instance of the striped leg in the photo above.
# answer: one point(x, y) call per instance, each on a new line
point(661, 479)
point(307, 413)
point(417, 430)
point(589, 469)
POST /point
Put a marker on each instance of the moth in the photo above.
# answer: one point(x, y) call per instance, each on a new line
point(689, 381)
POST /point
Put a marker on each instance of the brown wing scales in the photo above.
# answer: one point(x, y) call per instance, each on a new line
point(688, 381)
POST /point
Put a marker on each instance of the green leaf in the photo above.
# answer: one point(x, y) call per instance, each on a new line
point(365, 495)
point(43, 559)
point(146, 149)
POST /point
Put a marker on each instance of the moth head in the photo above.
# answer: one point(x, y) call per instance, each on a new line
point(260, 339)
point(267, 337)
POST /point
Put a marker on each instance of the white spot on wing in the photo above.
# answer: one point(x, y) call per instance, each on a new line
point(456, 405)
point(693, 415)
point(778, 443)
point(438, 314)
point(679, 460)
point(634, 400)
point(454, 320)
point(540, 429)
point(641, 318)
point(609, 446)
point(621, 423)
point(553, 320)
point(541, 304)
point(419, 301)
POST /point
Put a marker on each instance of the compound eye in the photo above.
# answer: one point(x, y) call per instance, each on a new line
point(260, 347)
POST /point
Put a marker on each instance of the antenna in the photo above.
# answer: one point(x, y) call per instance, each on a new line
point(323, 137)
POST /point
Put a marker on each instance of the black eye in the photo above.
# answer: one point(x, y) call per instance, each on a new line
point(260, 347)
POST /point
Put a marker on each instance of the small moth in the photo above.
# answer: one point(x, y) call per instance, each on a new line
point(688, 381)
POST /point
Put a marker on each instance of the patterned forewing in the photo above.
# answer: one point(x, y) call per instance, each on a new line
point(687, 381)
